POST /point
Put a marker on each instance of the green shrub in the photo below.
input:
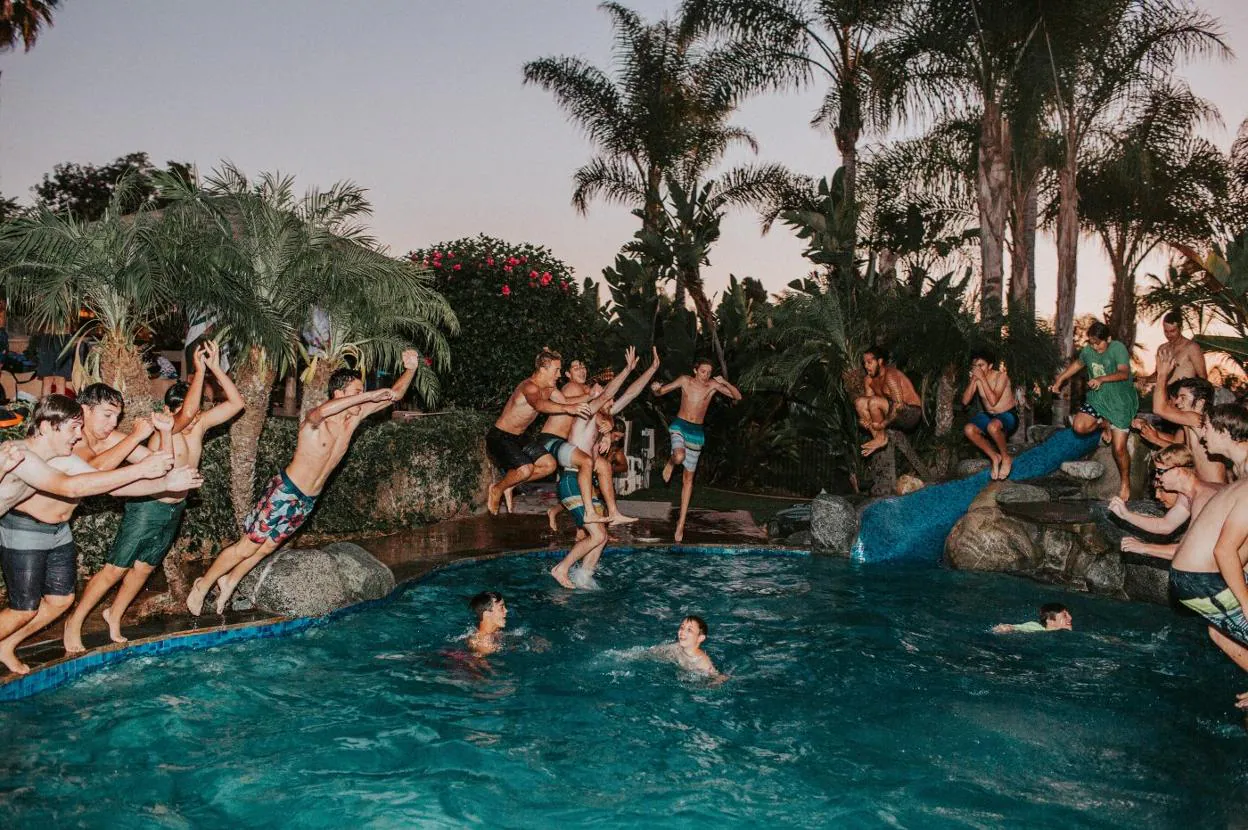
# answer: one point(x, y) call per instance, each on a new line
point(511, 300)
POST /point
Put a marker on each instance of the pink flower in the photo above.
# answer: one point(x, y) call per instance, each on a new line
point(511, 260)
point(451, 255)
point(546, 278)
point(437, 264)
point(489, 260)
point(437, 254)
point(564, 286)
point(532, 275)
point(506, 290)
point(524, 259)
point(455, 267)
point(507, 268)
point(428, 361)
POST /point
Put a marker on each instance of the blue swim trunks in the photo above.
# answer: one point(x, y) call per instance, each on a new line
point(689, 436)
point(1208, 595)
point(1008, 419)
point(570, 496)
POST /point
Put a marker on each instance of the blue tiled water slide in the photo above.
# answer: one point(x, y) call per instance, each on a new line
point(912, 528)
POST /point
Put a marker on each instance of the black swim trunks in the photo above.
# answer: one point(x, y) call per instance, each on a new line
point(907, 417)
point(511, 451)
point(38, 560)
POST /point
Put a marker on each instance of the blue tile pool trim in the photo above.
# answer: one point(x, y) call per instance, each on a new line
point(58, 674)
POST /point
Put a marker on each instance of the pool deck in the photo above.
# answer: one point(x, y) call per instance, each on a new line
point(410, 554)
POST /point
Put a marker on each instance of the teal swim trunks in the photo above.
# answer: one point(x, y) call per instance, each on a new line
point(570, 496)
point(690, 437)
point(147, 531)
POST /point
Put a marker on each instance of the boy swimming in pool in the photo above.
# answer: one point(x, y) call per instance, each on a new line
point(490, 609)
point(687, 651)
point(1053, 617)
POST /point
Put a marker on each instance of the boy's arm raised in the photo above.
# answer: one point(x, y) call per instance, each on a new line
point(227, 409)
point(195, 392)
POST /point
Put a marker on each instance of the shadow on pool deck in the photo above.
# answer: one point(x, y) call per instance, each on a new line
point(411, 554)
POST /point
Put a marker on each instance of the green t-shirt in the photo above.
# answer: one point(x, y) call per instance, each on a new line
point(1117, 401)
point(1028, 627)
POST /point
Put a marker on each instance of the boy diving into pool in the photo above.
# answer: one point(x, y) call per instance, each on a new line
point(323, 440)
point(696, 392)
point(150, 525)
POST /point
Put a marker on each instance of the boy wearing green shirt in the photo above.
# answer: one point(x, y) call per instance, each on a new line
point(1112, 401)
point(1053, 617)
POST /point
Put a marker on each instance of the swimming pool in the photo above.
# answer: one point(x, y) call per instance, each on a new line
point(859, 696)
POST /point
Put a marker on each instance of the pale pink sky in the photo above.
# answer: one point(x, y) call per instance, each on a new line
point(421, 102)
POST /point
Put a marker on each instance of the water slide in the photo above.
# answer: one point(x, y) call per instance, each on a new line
point(912, 528)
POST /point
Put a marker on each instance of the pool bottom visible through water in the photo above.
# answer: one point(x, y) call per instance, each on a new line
point(858, 696)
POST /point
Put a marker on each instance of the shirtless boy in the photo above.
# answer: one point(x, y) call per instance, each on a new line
point(36, 545)
point(888, 401)
point(1173, 471)
point(490, 609)
point(1183, 402)
point(1182, 353)
point(687, 650)
point(150, 525)
point(1000, 414)
point(688, 438)
point(1207, 573)
point(1053, 617)
point(324, 437)
point(587, 436)
point(519, 458)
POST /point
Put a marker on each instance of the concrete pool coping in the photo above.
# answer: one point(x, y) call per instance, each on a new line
point(186, 633)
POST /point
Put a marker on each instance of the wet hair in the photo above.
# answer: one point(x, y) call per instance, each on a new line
point(702, 361)
point(1174, 455)
point(878, 352)
point(340, 379)
point(53, 410)
point(99, 394)
point(986, 355)
point(1174, 318)
point(546, 357)
point(176, 394)
point(483, 602)
point(1050, 610)
point(1231, 418)
point(1099, 330)
point(699, 622)
point(1202, 390)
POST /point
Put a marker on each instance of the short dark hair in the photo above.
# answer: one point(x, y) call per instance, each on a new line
point(703, 361)
point(483, 602)
point(53, 410)
point(986, 355)
point(175, 395)
point(1230, 418)
point(1174, 318)
point(878, 352)
point(546, 357)
point(1050, 610)
point(1099, 330)
point(1202, 390)
point(340, 380)
point(98, 394)
point(699, 622)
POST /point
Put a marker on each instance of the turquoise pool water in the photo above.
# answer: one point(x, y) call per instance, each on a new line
point(859, 697)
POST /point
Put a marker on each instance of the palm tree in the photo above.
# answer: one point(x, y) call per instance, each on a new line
point(21, 22)
point(1153, 181)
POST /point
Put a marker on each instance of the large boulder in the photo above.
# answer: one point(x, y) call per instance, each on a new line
point(833, 524)
point(1106, 487)
point(971, 466)
point(1016, 492)
point(789, 521)
point(1146, 579)
point(985, 539)
point(310, 582)
point(1114, 528)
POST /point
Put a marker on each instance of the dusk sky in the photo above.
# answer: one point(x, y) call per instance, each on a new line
point(421, 102)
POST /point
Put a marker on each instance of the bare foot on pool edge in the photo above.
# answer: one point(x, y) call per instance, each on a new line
point(114, 626)
point(561, 576)
point(996, 467)
point(492, 497)
point(195, 599)
point(1007, 465)
point(873, 445)
point(667, 472)
point(551, 514)
point(621, 519)
point(225, 590)
point(9, 658)
point(593, 517)
point(508, 501)
point(73, 639)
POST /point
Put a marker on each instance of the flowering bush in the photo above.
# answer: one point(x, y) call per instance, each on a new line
point(511, 300)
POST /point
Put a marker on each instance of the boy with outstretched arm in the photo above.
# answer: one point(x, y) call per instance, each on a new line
point(323, 440)
point(1053, 617)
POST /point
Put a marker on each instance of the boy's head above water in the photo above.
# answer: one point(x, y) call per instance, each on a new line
point(490, 610)
point(692, 633)
point(1054, 616)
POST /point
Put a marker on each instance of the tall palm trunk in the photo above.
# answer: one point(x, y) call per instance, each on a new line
point(314, 392)
point(121, 367)
point(706, 315)
point(254, 379)
point(946, 391)
point(993, 193)
point(1121, 320)
point(1067, 266)
point(1023, 258)
point(847, 146)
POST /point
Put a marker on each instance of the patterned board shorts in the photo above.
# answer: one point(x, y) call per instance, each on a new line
point(690, 437)
point(281, 510)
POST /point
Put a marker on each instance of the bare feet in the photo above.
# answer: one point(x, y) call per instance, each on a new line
point(195, 599)
point(621, 519)
point(873, 445)
point(1241, 700)
point(561, 576)
point(551, 514)
point(1124, 492)
point(73, 639)
point(996, 467)
point(492, 497)
point(1007, 465)
point(9, 658)
point(507, 500)
point(225, 589)
point(114, 626)
point(593, 517)
point(680, 533)
point(667, 472)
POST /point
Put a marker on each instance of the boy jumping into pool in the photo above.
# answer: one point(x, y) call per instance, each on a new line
point(323, 439)
point(150, 525)
point(1000, 414)
point(686, 432)
point(687, 651)
point(490, 609)
point(1053, 617)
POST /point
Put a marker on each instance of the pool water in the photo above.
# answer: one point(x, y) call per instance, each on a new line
point(859, 696)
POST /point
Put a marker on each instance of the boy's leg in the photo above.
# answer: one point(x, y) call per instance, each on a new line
point(1123, 460)
point(590, 563)
point(226, 561)
point(876, 409)
point(134, 581)
point(996, 431)
point(552, 513)
point(50, 607)
point(227, 583)
point(584, 465)
point(580, 549)
point(1230, 647)
point(976, 437)
point(606, 486)
point(1083, 423)
point(510, 479)
point(686, 494)
point(98, 586)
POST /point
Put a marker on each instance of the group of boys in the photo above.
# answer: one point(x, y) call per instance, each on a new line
point(575, 440)
point(74, 449)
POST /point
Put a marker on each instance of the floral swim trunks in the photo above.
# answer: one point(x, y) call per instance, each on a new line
point(281, 510)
